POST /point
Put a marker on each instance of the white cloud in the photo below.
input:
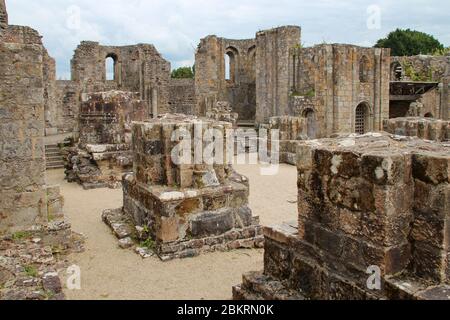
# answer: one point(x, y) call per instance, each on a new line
point(176, 26)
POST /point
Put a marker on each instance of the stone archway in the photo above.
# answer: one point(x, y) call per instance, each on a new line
point(362, 118)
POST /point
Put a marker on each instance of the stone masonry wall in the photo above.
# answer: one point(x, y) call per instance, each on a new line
point(138, 68)
point(420, 68)
point(53, 110)
point(211, 84)
point(272, 71)
point(186, 208)
point(69, 101)
point(25, 200)
point(423, 128)
point(182, 96)
point(331, 81)
point(423, 68)
point(3, 17)
point(291, 129)
point(105, 117)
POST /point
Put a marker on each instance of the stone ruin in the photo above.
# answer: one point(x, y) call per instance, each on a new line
point(103, 153)
point(223, 111)
point(372, 202)
point(34, 237)
point(423, 128)
point(182, 210)
point(291, 130)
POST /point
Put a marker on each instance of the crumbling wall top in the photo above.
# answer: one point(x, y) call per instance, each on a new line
point(3, 16)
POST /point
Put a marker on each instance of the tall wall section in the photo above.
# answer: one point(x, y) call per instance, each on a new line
point(3, 17)
point(225, 71)
point(24, 196)
point(138, 68)
point(272, 71)
point(328, 83)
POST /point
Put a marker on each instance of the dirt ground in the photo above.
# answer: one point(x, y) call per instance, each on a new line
point(108, 272)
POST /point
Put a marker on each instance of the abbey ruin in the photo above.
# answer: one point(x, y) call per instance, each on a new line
point(368, 133)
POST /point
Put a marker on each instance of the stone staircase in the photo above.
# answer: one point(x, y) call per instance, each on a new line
point(54, 158)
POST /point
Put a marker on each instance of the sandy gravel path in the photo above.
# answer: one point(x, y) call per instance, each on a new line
point(112, 273)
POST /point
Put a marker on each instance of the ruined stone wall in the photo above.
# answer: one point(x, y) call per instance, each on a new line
point(423, 68)
point(445, 97)
point(182, 96)
point(3, 17)
point(423, 128)
point(210, 75)
point(432, 103)
point(25, 200)
point(291, 130)
point(187, 208)
point(53, 110)
point(138, 68)
point(105, 117)
point(373, 200)
point(272, 71)
point(420, 68)
point(331, 81)
point(68, 100)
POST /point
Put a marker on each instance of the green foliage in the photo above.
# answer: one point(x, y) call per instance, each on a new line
point(183, 73)
point(149, 244)
point(309, 94)
point(409, 43)
point(31, 271)
point(414, 75)
point(442, 52)
point(21, 235)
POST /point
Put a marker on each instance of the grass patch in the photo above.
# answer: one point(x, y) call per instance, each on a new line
point(21, 235)
point(31, 271)
point(149, 244)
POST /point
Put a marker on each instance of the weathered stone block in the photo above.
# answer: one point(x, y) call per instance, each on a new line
point(212, 223)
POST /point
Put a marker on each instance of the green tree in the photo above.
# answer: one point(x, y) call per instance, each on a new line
point(183, 73)
point(409, 43)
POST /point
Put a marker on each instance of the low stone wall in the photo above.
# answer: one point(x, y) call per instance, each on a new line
point(292, 130)
point(423, 128)
point(103, 153)
point(366, 204)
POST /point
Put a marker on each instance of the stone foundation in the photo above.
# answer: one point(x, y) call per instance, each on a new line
point(182, 210)
point(373, 200)
point(291, 129)
point(423, 128)
point(103, 153)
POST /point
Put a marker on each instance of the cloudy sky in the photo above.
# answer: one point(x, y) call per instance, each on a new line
point(175, 26)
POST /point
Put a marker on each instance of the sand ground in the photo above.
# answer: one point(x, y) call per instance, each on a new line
point(108, 272)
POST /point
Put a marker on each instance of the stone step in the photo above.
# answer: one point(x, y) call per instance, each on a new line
point(52, 153)
point(257, 286)
point(54, 167)
point(55, 162)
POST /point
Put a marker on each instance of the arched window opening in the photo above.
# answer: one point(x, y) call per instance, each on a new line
point(429, 115)
point(362, 118)
point(231, 64)
point(364, 69)
point(227, 67)
point(110, 67)
point(396, 71)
